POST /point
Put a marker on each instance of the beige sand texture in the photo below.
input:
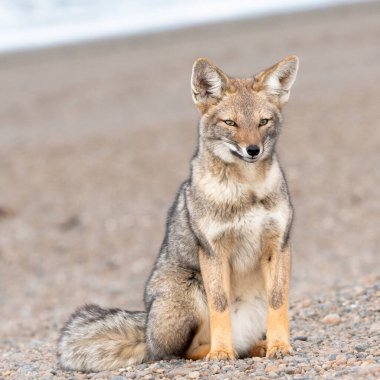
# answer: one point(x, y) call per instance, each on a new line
point(96, 138)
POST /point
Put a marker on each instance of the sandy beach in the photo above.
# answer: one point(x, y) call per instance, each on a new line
point(96, 138)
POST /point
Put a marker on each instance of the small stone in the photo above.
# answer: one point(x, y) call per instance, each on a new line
point(271, 368)
point(194, 375)
point(332, 356)
point(117, 378)
point(131, 375)
point(369, 362)
point(361, 347)
point(341, 359)
point(178, 371)
point(306, 302)
point(214, 368)
point(372, 369)
point(331, 319)
point(290, 371)
point(375, 327)
point(300, 337)
point(141, 373)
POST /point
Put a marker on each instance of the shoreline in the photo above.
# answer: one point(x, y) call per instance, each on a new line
point(187, 28)
point(193, 21)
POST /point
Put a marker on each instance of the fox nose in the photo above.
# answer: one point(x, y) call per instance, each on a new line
point(253, 150)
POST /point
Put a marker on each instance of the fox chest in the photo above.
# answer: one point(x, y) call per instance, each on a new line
point(241, 236)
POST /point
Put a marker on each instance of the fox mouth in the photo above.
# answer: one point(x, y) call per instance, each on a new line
point(236, 151)
point(245, 158)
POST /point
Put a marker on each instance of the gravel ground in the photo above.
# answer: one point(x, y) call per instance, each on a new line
point(96, 138)
point(334, 335)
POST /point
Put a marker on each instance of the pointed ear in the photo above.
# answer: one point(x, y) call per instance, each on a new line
point(279, 79)
point(208, 83)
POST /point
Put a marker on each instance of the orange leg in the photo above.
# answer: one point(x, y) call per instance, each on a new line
point(216, 278)
point(276, 269)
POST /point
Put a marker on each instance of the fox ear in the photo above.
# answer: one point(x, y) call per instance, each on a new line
point(208, 83)
point(279, 79)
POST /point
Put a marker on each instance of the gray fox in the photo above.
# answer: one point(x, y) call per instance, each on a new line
point(219, 286)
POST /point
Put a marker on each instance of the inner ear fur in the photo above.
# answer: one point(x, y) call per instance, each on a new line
point(208, 83)
point(279, 78)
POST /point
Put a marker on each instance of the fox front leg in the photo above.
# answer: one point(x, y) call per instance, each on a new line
point(276, 266)
point(215, 272)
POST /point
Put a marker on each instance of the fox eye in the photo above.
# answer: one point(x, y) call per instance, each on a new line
point(230, 122)
point(263, 122)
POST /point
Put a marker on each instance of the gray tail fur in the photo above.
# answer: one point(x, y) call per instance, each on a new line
point(97, 339)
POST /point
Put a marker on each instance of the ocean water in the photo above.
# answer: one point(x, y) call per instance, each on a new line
point(28, 24)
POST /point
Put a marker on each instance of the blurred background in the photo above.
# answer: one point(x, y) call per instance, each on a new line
point(97, 129)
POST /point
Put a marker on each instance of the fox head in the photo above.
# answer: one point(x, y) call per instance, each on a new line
point(241, 117)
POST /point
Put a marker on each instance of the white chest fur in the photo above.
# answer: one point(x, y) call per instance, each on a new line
point(242, 232)
point(248, 310)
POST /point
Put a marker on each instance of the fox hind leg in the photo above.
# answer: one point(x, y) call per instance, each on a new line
point(199, 352)
point(174, 318)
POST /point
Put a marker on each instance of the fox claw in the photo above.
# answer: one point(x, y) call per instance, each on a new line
point(278, 350)
point(221, 355)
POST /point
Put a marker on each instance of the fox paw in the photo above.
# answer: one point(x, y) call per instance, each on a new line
point(259, 349)
point(278, 350)
point(221, 355)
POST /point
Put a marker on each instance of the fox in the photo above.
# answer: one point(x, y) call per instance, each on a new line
point(219, 288)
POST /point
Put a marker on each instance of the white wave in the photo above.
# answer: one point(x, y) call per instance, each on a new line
point(26, 24)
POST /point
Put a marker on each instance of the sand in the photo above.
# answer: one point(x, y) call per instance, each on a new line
point(95, 139)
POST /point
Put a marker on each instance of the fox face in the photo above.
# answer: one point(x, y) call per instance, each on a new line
point(241, 118)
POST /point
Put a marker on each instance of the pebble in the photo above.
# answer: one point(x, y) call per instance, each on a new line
point(300, 337)
point(375, 328)
point(271, 368)
point(158, 370)
point(130, 375)
point(361, 347)
point(179, 371)
point(214, 369)
point(194, 375)
point(331, 319)
point(341, 359)
point(290, 370)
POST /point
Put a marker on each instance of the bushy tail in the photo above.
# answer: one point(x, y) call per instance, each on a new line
point(96, 339)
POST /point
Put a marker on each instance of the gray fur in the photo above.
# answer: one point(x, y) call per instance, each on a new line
point(96, 339)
